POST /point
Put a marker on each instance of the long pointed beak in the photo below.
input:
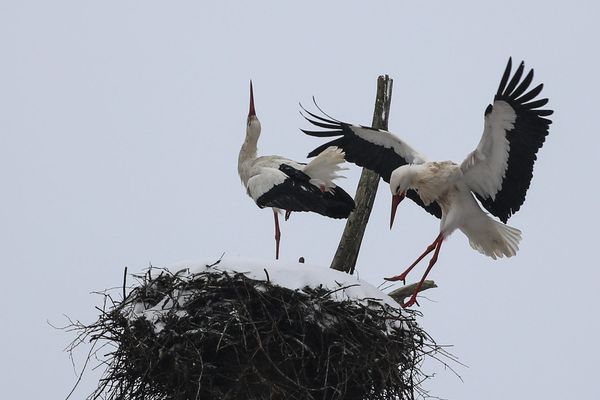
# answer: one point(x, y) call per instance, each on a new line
point(396, 199)
point(252, 111)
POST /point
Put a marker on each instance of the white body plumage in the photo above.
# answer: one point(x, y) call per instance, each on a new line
point(284, 184)
point(443, 182)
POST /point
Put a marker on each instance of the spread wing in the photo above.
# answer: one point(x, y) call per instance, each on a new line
point(500, 169)
point(375, 149)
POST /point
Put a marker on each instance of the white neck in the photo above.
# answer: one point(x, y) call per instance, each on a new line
point(249, 148)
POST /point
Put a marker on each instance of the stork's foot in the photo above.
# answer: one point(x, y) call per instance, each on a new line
point(401, 277)
point(412, 301)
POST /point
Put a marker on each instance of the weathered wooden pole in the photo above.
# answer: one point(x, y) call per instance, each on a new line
point(347, 251)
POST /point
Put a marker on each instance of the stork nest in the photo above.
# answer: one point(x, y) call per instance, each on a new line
point(220, 335)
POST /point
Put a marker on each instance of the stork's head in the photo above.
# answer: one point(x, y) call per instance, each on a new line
point(253, 127)
point(401, 180)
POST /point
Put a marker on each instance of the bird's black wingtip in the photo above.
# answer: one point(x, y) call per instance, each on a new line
point(517, 91)
point(505, 77)
point(488, 109)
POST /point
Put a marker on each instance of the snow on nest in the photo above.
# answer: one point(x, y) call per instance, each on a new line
point(295, 276)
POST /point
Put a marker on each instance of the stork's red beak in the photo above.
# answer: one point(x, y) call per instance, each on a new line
point(252, 111)
point(396, 199)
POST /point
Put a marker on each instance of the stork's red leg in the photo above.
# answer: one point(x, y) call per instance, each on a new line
point(430, 248)
point(438, 245)
point(277, 234)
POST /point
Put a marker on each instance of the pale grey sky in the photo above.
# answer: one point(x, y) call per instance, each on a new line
point(120, 126)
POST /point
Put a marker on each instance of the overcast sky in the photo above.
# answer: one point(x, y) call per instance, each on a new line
point(121, 122)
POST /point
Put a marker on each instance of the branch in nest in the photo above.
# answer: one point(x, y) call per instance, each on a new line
point(402, 293)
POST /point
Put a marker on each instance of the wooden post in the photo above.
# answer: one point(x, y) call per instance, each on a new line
point(347, 251)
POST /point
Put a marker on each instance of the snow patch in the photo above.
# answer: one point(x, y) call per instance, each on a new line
point(295, 276)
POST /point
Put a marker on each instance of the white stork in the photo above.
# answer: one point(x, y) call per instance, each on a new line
point(498, 172)
point(283, 184)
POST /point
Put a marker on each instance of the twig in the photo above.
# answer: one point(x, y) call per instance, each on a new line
point(124, 282)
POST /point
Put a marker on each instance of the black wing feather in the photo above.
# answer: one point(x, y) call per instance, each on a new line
point(531, 94)
point(505, 76)
point(524, 85)
point(515, 79)
point(536, 104)
point(297, 194)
